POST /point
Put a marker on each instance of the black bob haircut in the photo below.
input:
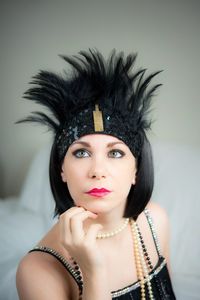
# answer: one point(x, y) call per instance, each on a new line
point(115, 88)
point(139, 194)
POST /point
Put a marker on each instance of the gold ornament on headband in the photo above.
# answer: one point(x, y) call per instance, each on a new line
point(98, 119)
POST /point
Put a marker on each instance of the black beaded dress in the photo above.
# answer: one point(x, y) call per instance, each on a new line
point(159, 276)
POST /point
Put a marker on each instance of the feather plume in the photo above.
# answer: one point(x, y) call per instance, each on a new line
point(113, 83)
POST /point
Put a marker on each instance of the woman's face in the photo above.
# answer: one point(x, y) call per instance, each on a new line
point(99, 171)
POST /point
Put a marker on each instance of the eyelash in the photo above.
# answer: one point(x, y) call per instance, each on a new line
point(76, 153)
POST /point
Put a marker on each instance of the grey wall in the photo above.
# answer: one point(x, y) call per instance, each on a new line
point(33, 33)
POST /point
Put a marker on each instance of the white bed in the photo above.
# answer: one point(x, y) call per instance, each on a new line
point(24, 221)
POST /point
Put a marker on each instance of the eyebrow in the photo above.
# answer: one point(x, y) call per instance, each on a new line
point(109, 145)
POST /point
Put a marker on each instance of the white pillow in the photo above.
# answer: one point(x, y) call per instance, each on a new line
point(36, 194)
point(177, 190)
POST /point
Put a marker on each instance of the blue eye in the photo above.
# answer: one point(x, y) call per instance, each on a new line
point(116, 153)
point(81, 153)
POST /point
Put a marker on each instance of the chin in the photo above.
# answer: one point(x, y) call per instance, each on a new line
point(98, 208)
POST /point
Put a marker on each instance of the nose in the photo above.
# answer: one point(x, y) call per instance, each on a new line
point(97, 169)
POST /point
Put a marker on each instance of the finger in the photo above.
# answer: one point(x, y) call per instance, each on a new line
point(71, 211)
point(92, 232)
point(67, 215)
point(76, 223)
point(64, 223)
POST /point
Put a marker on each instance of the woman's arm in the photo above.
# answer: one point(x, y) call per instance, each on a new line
point(38, 278)
point(82, 246)
point(95, 286)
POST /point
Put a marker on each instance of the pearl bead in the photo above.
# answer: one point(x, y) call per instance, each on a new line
point(114, 232)
point(141, 266)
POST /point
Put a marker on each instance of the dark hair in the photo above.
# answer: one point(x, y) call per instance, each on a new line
point(139, 194)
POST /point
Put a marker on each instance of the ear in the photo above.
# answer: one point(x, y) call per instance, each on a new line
point(63, 175)
point(134, 177)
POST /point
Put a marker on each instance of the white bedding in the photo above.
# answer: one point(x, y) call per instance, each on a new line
point(24, 221)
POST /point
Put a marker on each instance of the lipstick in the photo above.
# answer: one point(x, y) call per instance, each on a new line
point(102, 192)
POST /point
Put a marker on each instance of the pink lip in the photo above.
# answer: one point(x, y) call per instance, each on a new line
point(98, 192)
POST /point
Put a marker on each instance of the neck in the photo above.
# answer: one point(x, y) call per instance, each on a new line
point(110, 221)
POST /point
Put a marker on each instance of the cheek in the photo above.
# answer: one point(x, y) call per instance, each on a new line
point(128, 172)
point(127, 177)
point(73, 188)
point(70, 169)
point(74, 179)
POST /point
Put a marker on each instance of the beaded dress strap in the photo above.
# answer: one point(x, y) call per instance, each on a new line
point(151, 225)
point(72, 271)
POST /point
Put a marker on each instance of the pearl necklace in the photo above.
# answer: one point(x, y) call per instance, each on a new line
point(114, 232)
point(141, 266)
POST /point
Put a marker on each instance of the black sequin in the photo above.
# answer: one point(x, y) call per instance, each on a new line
point(114, 124)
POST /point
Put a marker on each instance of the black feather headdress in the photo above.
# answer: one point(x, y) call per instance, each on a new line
point(97, 96)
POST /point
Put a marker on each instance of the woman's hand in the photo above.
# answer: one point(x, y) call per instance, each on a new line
point(81, 244)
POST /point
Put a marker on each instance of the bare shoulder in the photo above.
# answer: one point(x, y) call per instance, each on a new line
point(39, 276)
point(159, 215)
point(162, 226)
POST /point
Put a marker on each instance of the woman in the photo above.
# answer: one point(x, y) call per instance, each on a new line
point(104, 245)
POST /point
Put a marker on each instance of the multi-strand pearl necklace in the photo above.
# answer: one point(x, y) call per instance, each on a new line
point(140, 255)
point(141, 265)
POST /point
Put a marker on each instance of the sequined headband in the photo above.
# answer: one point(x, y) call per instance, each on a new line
point(95, 120)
